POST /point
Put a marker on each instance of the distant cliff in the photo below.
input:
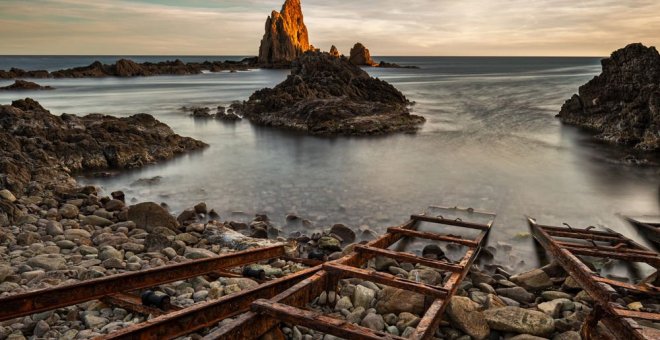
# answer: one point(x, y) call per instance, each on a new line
point(286, 36)
point(623, 103)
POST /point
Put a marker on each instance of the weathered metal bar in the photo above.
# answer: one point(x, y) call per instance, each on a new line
point(405, 257)
point(446, 221)
point(652, 260)
point(608, 248)
point(638, 288)
point(431, 236)
point(587, 232)
point(386, 279)
point(619, 326)
point(208, 313)
point(46, 299)
point(636, 314)
point(318, 321)
point(134, 304)
point(583, 236)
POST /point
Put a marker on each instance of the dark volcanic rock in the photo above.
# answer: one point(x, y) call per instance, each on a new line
point(360, 56)
point(334, 51)
point(623, 103)
point(25, 85)
point(39, 146)
point(325, 95)
point(286, 36)
point(128, 68)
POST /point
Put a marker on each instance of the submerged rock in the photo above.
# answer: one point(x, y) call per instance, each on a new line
point(286, 36)
point(325, 95)
point(622, 104)
point(25, 85)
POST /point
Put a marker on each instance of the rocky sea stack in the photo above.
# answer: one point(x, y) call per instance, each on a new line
point(41, 148)
point(286, 36)
point(623, 103)
point(326, 95)
point(19, 85)
point(361, 56)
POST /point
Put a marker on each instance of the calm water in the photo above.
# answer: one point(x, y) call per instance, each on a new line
point(491, 142)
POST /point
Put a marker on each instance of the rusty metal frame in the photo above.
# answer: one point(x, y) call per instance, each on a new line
point(618, 321)
point(18, 305)
point(288, 306)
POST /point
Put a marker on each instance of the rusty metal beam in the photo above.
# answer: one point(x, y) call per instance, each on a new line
point(620, 326)
point(386, 279)
point(652, 260)
point(46, 299)
point(405, 257)
point(608, 248)
point(458, 223)
point(318, 321)
point(638, 288)
point(207, 314)
point(134, 304)
point(431, 236)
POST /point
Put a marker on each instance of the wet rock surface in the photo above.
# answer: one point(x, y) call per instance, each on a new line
point(325, 95)
point(24, 85)
point(45, 149)
point(129, 68)
point(622, 104)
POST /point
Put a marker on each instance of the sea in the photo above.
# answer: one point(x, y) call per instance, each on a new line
point(491, 142)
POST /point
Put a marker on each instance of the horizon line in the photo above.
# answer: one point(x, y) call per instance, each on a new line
point(250, 56)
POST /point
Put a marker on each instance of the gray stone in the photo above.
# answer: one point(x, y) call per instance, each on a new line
point(94, 322)
point(40, 329)
point(552, 295)
point(363, 297)
point(77, 234)
point(465, 315)
point(149, 215)
point(394, 300)
point(356, 316)
point(553, 308)
point(427, 276)
point(518, 320)
point(198, 253)
point(517, 293)
point(96, 221)
point(535, 279)
point(7, 195)
point(54, 228)
point(373, 321)
point(344, 303)
point(347, 234)
point(570, 335)
point(382, 263)
point(329, 243)
point(48, 262)
point(109, 252)
point(5, 270)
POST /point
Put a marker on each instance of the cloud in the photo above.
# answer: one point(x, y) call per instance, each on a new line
point(387, 27)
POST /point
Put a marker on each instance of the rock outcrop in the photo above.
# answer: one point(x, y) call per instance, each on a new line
point(286, 36)
point(325, 95)
point(622, 104)
point(334, 51)
point(24, 85)
point(37, 146)
point(129, 68)
point(360, 56)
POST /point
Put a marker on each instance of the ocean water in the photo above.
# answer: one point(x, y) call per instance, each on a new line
point(491, 142)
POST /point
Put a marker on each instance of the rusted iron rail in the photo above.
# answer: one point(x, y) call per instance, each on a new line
point(620, 322)
point(18, 305)
point(289, 305)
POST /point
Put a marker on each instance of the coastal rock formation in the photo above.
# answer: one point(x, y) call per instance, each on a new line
point(38, 146)
point(325, 95)
point(129, 68)
point(623, 103)
point(286, 36)
point(24, 85)
point(360, 56)
point(334, 51)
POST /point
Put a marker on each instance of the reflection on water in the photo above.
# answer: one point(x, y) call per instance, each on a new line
point(490, 142)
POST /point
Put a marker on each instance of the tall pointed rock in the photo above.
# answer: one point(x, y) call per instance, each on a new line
point(286, 35)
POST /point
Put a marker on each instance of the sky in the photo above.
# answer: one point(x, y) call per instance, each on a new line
point(386, 27)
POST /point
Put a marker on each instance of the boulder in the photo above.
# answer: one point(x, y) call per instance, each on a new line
point(363, 297)
point(286, 36)
point(48, 262)
point(519, 320)
point(347, 234)
point(373, 321)
point(535, 279)
point(465, 315)
point(149, 215)
point(394, 300)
